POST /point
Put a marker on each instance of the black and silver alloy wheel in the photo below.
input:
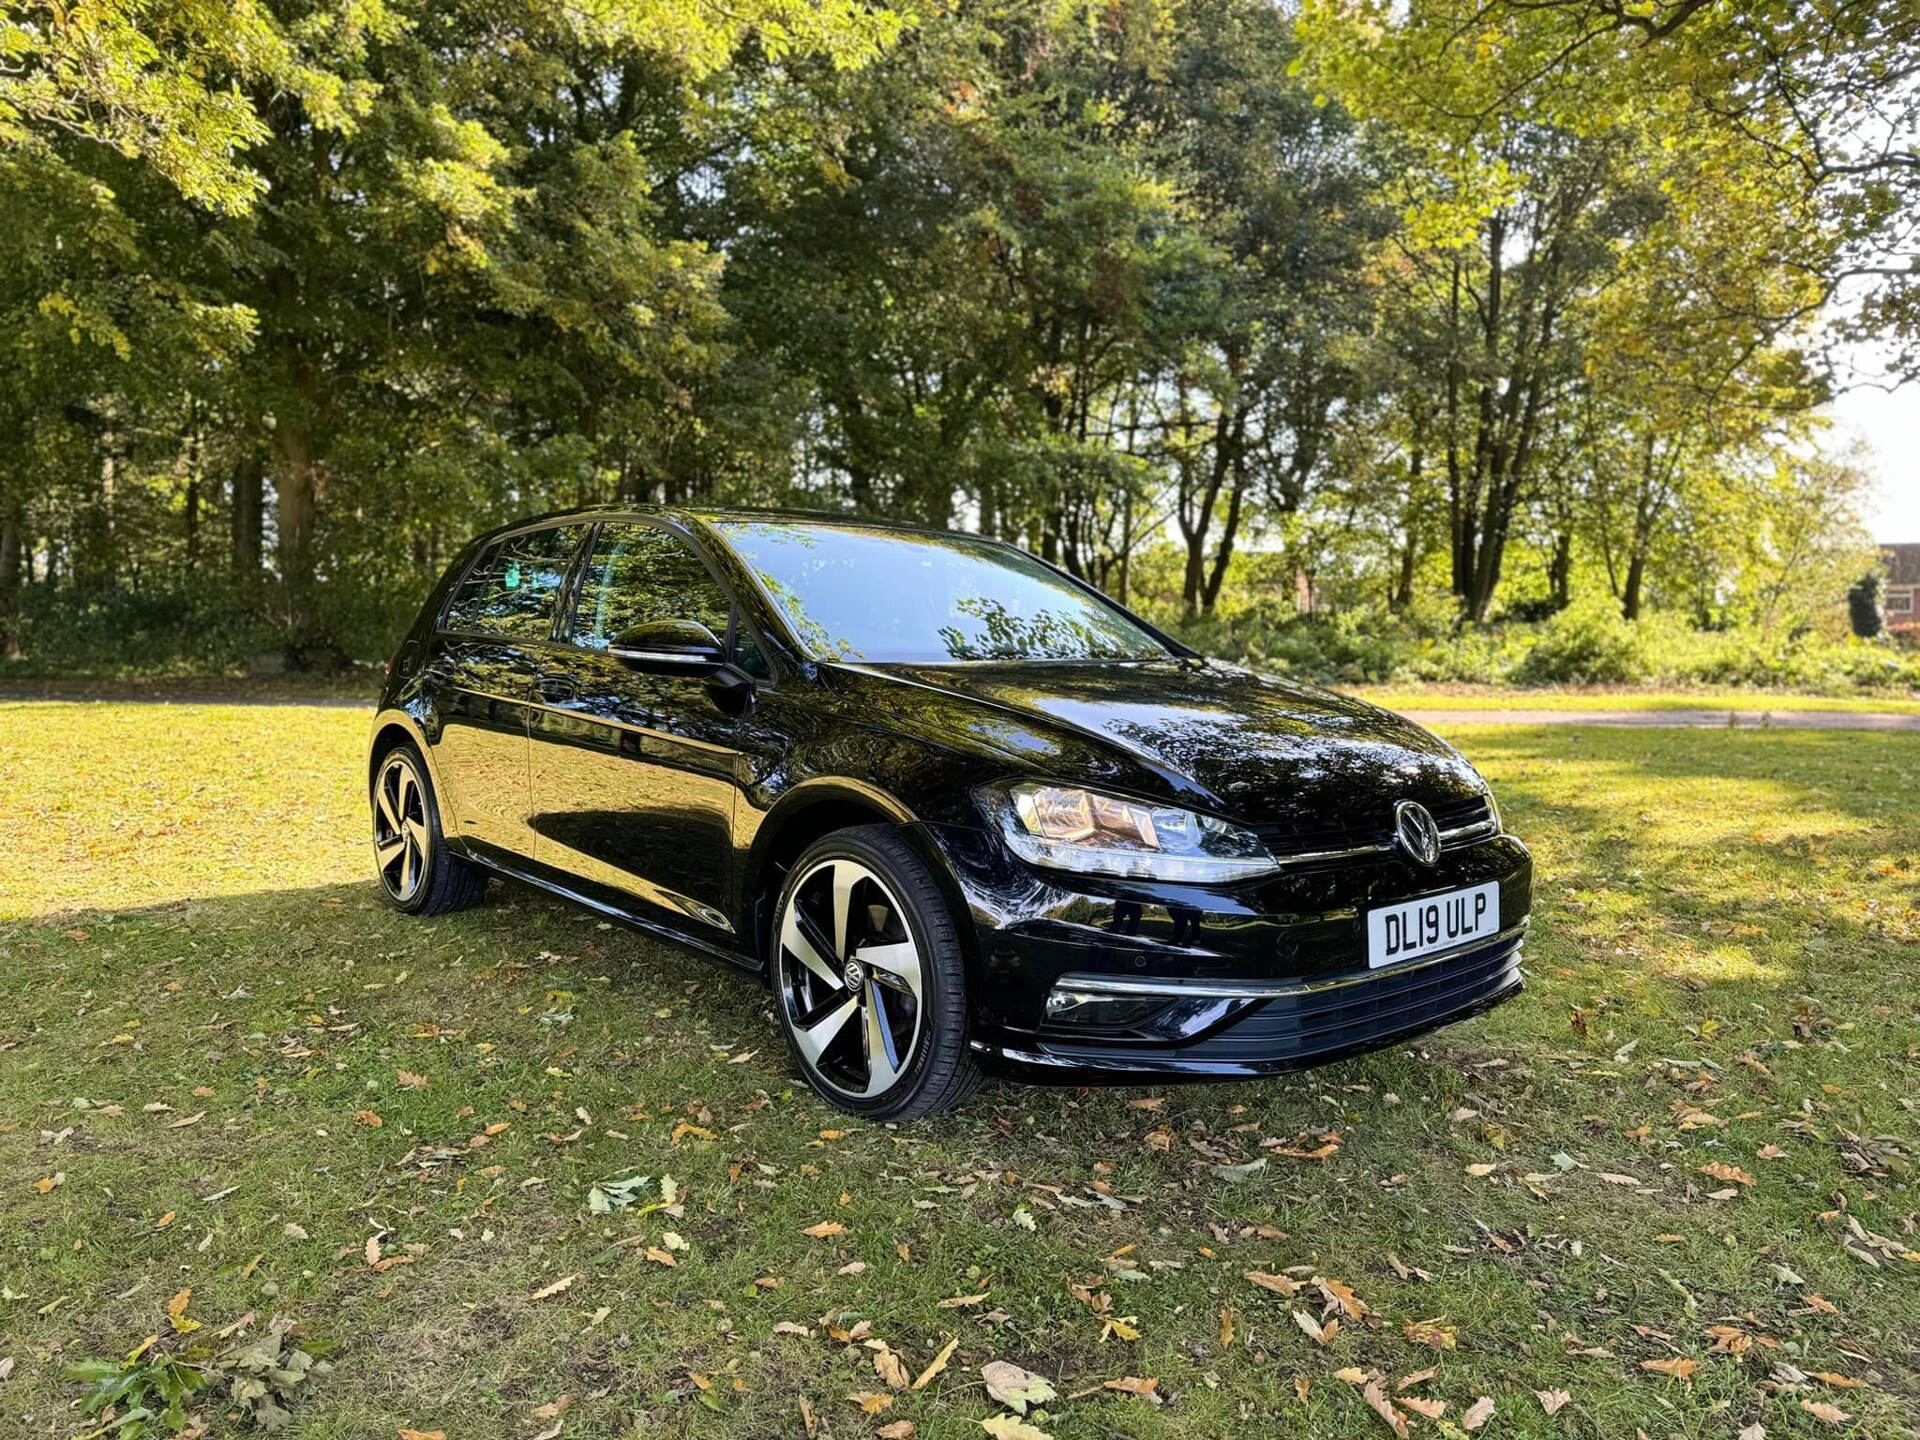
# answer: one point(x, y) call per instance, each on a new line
point(851, 978)
point(402, 841)
point(418, 872)
point(868, 979)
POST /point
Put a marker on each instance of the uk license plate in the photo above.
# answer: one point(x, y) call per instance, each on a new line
point(1397, 933)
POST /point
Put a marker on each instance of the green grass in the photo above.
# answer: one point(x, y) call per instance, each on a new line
point(1726, 927)
point(1605, 697)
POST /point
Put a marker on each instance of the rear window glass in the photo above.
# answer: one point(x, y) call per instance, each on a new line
point(513, 587)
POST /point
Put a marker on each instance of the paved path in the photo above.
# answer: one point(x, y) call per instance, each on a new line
point(1674, 719)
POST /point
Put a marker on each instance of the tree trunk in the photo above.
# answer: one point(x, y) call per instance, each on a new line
point(1560, 571)
point(246, 516)
point(10, 587)
point(294, 490)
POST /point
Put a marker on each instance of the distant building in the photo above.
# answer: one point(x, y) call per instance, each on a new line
point(1902, 601)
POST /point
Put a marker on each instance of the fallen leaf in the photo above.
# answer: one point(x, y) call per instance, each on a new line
point(565, 1282)
point(177, 1312)
point(1007, 1427)
point(48, 1184)
point(960, 1302)
point(1226, 1327)
point(872, 1402)
point(406, 1434)
point(898, 1430)
point(888, 1365)
point(1316, 1332)
point(1431, 1332)
point(293, 1231)
point(1839, 1382)
point(1279, 1284)
point(825, 1230)
point(1377, 1401)
point(1821, 1410)
point(1721, 1171)
point(1552, 1401)
point(1678, 1366)
point(553, 1409)
point(1478, 1413)
point(1482, 1170)
point(360, 1117)
point(938, 1364)
point(1016, 1388)
point(1420, 1405)
point(410, 1080)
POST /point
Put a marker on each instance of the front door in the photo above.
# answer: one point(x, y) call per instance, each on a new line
point(635, 776)
point(497, 626)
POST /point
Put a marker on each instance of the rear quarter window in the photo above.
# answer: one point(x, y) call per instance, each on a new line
point(515, 584)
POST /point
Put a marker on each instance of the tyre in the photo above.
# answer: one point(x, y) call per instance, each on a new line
point(417, 871)
point(869, 980)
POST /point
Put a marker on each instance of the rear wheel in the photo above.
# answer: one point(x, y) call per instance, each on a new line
point(869, 980)
point(420, 875)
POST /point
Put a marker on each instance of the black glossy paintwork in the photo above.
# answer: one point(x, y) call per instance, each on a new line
point(671, 801)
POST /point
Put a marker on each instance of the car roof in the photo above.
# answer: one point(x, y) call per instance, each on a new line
point(722, 514)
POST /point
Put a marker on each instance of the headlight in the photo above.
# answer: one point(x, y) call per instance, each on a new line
point(1066, 828)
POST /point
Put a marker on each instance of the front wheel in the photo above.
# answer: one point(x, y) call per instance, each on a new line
point(869, 981)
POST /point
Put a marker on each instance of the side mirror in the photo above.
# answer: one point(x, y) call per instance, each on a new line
point(668, 647)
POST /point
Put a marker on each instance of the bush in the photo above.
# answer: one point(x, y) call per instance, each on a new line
point(1586, 645)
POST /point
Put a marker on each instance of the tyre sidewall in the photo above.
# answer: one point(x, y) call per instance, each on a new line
point(930, 922)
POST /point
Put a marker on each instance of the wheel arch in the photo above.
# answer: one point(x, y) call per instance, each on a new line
point(808, 812)
point(393, 728)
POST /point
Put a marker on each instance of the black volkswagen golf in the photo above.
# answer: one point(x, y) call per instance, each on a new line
point(954, 807)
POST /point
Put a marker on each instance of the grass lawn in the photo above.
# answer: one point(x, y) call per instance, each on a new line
point(251, 1080)
point(1607, 697)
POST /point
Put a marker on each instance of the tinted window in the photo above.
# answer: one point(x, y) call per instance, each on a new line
point(852, 593)
point(639, 573)
point(513, 587)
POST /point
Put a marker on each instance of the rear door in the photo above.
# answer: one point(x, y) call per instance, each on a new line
point(498, 626)
point(635, 776)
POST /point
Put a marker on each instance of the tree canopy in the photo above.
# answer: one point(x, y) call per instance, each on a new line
point(1475, 308)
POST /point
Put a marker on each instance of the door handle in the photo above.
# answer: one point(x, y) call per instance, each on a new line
point(556, 689)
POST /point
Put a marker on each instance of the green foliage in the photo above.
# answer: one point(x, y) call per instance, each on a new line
point(267, 1373)
point(1464, 308)
point(147, 1392)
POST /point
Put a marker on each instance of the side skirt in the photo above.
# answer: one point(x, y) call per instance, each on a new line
point(541, 880)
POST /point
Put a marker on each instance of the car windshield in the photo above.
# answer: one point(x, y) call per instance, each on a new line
point(895, 597)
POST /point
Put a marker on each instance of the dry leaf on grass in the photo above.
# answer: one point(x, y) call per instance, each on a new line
point(898, 1430)
point(1478, 1413)
point(565, 1282)
point(1134, 1385)
point(1821, 1410)
point(1733, 1174)
point(825, 1230)
point(1552, 1401)
point(1677, 1366)
point(409, 1080)
point(1377, 1401)
point(939, 1363)
point(1431, 1332)
point(1279, 1284)
point(1014, 1387)
point(406, 1434)
point(888, 1365)
point(1007, 1427)
point(177, 1312)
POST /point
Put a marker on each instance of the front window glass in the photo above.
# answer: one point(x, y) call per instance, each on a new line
point(512, 589)
point(639, 573)
point(851, 592)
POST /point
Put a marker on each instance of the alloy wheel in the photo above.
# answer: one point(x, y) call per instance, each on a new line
point(402, 842)
point(851, 978)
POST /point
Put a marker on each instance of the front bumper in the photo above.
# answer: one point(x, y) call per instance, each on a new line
point(1079, 979)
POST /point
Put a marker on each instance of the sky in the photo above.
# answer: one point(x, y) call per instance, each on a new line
point(1888, 424)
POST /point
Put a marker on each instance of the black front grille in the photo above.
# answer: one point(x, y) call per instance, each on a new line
point(1368, 1012)
point(1373, 826)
